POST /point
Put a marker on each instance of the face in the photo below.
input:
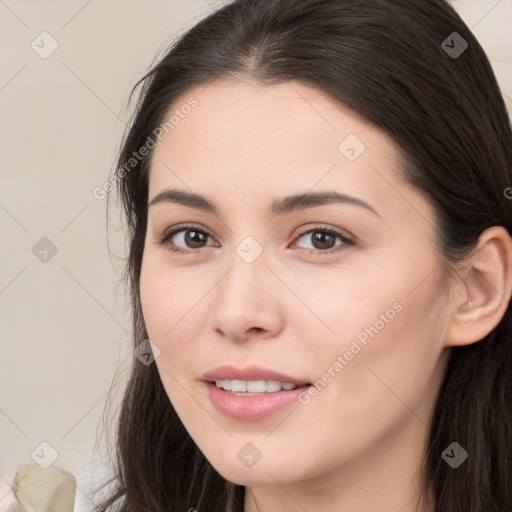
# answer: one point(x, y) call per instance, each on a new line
point(342, 292)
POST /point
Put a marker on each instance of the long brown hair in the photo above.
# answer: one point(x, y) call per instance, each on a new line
point(399, 65)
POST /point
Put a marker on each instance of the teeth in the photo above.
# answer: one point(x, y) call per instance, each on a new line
point(251, 387)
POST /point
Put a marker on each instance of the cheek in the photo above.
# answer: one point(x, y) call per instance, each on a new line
point(374, 343)
point(171, 319)
point(168, 299)
point(345, 308)
point(175, 309)
point(156, 303)
point(389, 300)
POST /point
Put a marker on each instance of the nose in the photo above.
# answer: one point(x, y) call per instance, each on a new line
point(247, 300)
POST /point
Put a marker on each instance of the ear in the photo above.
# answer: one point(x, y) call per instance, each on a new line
point(484, 291)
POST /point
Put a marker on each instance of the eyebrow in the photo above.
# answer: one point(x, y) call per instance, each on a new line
point(278, 207)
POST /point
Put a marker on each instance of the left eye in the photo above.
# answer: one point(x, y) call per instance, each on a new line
point(323, 239)
point(194, 238)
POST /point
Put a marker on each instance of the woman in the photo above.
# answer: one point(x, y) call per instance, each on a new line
point(370, 369)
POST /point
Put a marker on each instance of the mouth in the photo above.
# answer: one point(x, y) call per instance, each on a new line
point(252, 405)
point(252, 379)
point(252, 393)
point(255, 387)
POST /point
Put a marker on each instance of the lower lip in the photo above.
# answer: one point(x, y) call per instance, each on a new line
point(251, 408)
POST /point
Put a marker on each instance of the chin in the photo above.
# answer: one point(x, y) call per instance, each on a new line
point(260, 473)
point(251, 476)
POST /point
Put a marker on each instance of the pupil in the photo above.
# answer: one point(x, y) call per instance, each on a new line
point(319, 236)
point(190, 238)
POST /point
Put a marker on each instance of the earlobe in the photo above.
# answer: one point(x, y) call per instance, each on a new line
point(486, 289)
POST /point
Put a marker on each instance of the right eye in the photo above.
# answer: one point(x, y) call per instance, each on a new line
point(192, 236)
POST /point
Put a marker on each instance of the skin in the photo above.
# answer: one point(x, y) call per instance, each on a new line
point(358, 444)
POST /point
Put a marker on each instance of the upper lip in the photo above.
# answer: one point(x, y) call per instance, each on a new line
point(253, 372)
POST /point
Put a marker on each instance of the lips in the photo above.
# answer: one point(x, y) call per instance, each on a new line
point(250, 373)
point(251, 408)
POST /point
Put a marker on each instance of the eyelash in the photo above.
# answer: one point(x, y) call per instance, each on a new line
point(164, 239)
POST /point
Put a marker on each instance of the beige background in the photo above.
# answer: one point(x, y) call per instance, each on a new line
point(64, 322)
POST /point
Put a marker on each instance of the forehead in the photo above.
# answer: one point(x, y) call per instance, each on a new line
point(277, 118)
point(250, 140)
